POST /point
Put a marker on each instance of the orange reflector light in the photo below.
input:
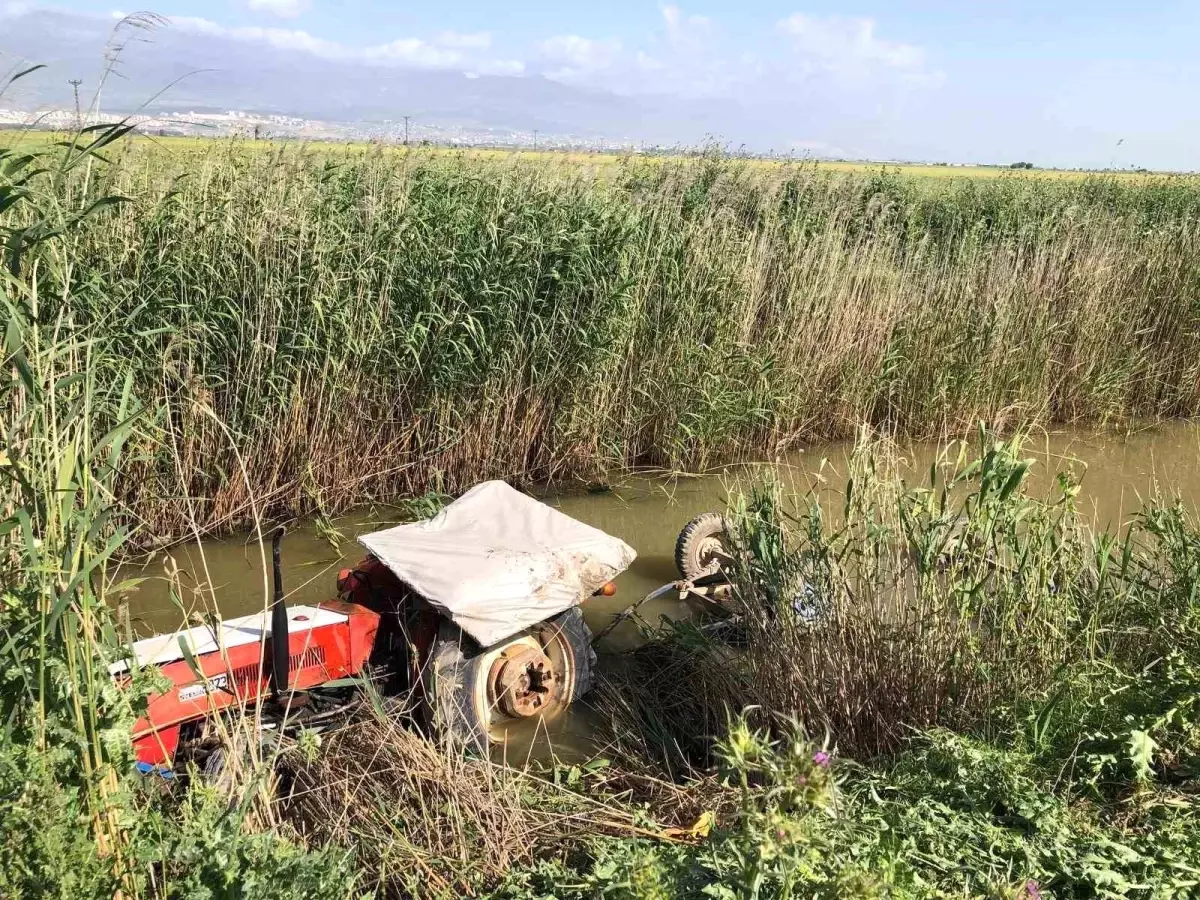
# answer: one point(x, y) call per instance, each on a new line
point(608, 590)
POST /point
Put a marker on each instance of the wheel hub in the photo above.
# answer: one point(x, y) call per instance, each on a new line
point(524, 683)
point(711, 553)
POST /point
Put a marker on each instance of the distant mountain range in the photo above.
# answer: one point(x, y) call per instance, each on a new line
point(198, 71)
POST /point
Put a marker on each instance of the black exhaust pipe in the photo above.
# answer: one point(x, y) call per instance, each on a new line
point(280, 664)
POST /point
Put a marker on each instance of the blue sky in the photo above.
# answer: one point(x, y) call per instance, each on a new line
point(1060, 83)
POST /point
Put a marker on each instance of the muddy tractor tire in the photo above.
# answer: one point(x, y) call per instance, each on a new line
point(226, 769)
point(702, 547)
point(537, 672)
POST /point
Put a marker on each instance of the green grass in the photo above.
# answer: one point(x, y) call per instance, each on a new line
point(1022, 690)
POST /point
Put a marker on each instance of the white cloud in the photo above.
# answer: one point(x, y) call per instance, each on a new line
point(497, 67)
point(579, 54)
point(280, 38)
point(578, 60)
point(692, 57)
point(478, 40)
point(449, 50)
point(684, 30)
point(848, 43)
point(285, 9)
point(15, 9)
point(683, 57)
point(688, 56)
point(413, 52)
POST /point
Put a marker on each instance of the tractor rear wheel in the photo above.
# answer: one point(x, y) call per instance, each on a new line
point(477, 692)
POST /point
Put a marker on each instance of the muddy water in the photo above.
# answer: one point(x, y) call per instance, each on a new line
point(647, 511)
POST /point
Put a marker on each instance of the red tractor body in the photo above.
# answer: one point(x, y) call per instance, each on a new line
point(229, 666)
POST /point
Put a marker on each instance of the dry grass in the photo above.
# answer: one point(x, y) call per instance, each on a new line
point(414, 813)
point(425, 821)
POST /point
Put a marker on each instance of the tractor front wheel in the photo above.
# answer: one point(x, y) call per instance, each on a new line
point(703, 546)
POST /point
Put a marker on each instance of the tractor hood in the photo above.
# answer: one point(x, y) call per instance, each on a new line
point(496, 561)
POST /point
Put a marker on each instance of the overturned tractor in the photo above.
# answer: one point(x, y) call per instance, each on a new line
point(472, 614)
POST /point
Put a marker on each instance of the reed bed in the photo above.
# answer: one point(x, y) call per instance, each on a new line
point(966, 604)
point(326, 329)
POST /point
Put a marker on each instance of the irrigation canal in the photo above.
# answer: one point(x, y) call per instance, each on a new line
point(647, 510)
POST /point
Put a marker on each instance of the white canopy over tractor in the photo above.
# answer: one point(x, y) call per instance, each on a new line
point(496, 561)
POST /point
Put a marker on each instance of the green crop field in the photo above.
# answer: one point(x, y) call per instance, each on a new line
point(17, 138)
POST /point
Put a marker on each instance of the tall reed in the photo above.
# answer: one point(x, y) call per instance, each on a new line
point(64, 424)
point(355, 324)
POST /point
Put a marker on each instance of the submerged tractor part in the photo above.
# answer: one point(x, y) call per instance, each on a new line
point(472, 613)
point(704, 557)
point(219, 668)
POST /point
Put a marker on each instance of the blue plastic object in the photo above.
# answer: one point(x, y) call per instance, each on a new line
point(145, 768)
